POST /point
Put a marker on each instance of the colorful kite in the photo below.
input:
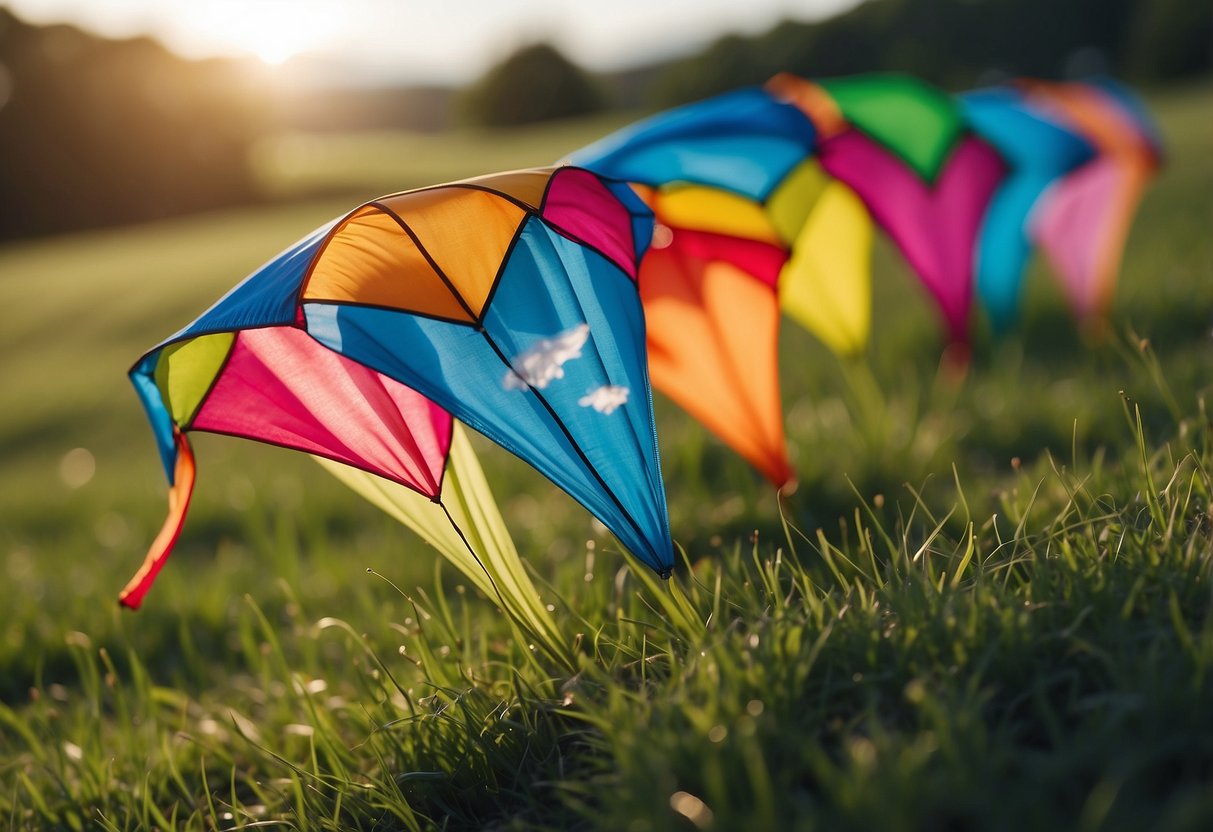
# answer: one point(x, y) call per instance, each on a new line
point(1083, 223)
point(924, 176)
point(1039, 151)
point(734, 189)
point(509, 301)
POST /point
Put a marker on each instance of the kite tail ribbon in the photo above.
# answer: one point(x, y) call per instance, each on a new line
point(178, 501)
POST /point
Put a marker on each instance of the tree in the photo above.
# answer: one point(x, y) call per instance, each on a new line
point(537, 83)
point(99, 132)
point(1173, 39)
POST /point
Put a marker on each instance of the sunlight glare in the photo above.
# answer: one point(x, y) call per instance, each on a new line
point(273, 32)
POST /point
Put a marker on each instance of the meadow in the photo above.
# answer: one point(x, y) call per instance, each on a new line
point(989, 604)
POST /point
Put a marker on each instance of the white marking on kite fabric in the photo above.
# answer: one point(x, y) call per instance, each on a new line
point(543, 363)
point(605, 399)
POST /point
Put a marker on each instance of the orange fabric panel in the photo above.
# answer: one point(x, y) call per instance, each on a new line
point(467, 233)
point(812, 100)
point(526, 186)
point(712, 342)
point(1089, 111)
point(371, 260)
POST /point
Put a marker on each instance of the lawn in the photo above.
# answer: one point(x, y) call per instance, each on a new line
point(987, 606)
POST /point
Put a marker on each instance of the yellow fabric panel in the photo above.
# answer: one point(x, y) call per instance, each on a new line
point(826, 285)
point(712, 342)
point(186, 370)
point(467, 233)
point(792, 202)
point(720, 212)
point(371, 260)
point(526, 186)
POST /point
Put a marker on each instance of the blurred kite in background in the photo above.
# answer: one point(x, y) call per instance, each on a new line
point(903, 146)
point(1039, 152)
point(735, 190)
point(1083, 222)
point(509, 301)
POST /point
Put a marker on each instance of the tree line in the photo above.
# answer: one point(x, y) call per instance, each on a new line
point(96, 131)
point(100, 132)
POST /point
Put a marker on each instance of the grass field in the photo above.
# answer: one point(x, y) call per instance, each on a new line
point(991, 606)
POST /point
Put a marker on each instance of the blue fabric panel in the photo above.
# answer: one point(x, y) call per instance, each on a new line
point(743, 141)
point(1039, 152)
point(267, 297)
point(550, 291)
point(1024, 137)
point(143, 376)
point(642, 216)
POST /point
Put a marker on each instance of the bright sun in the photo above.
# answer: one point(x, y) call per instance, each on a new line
point(274, 32)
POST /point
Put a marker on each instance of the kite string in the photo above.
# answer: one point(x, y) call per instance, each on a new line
point(504, 606)
point(518, 618)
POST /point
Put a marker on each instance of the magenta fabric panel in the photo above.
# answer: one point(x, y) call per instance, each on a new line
point(579, 205)
point(935, 227)
point(1072, 226)
point(282, 387)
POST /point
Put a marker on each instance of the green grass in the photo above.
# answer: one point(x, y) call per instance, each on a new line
point(990, 607)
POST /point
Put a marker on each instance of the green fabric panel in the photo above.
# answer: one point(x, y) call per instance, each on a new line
point(789, 206)
point(186, 370)
point(911, 118)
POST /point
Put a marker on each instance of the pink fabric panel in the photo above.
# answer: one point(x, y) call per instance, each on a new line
point(282, 387)
point(1075, 224)
point(935, 226)
point(582, 207)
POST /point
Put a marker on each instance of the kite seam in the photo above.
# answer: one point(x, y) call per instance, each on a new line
point(428, 258)
point(572, 442)
point(353, 304)
point(311, 452)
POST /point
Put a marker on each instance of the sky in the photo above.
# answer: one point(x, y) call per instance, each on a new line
point(420, 41)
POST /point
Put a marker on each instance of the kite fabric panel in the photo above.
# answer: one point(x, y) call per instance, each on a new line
point(554, 371)
point(464, 524)
point(279, 386)
point(713, 335)
point(826, 285)
point(745, 142)
point(513, 302)
point(934, 224)
point(916, 122)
